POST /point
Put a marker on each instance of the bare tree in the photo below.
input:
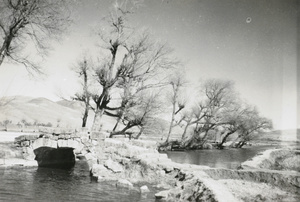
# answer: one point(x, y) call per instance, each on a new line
point(141, 114)
point(251, 123)
point(177, 83)
point(231, 122)
point(141, 58)
point(220, 109)
point(218, 95)
point(22, 21)
point(83, 71)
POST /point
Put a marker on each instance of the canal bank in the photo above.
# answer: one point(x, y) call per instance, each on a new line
point(139, 161)
point(133, 164)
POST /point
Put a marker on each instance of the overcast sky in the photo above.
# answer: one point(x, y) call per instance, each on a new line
point(252, 42)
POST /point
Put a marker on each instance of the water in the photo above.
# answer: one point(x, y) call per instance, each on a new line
point(227, 158)
point(44, 184)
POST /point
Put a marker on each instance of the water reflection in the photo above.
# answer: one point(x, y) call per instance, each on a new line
point(46, 184)
point(227, 158)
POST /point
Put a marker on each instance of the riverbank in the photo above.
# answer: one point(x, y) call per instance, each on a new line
point(131, 162)
point(10, 155)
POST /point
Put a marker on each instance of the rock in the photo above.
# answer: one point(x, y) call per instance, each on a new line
point(162, 194)
point(163, 186)
point(44, 142)
point(28, 153)
point(67, 143)
point(114, 166)
point(145, 144)
point(98, 169)
point(124, 183)
point(144, 189)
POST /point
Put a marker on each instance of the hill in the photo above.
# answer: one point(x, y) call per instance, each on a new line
point(70, 104)
point(40, 110)
point(65, 113)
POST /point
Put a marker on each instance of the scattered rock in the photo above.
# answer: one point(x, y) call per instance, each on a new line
point(144, 189)
point(163, 186)
point(124, 183)
point(162, 194)
point(114, 166)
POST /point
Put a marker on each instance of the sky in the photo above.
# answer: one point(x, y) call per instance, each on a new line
point(252, 42)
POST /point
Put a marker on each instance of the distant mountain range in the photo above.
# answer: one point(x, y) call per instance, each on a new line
point(63, 113)
point(68, 114)
point(41, 110)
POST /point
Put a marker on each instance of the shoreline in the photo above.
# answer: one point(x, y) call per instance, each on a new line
point(131, 162)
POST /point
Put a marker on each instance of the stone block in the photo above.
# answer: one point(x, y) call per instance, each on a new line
point(20, 139)
point(162, 194)
point(97, 169)
point(48, 136)
point(114, 166)
point(53, 137)
point(89, 156)
point(67, 136)
point(31, 137)
point(94, 142)
point(62, 143)
point(110, 149)
point(113, 142)
point(145, 143)
point(79, 148)
point(124, 183)
point(61, 136)
point(83, 152)
point(28, 153)
point(25, 143)
point(144, 189)
point(44, 142)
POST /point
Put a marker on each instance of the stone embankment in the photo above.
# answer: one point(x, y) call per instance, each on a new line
point(272, 176)
point(138, 161)
point(30, 149)
point(275, 159)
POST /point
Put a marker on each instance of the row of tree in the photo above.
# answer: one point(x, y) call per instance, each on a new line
point(135, 78)
point(23, 123)
point(134, 91)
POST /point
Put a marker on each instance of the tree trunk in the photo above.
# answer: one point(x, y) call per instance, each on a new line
point(123, 131)
point(140, 133)
point(220, 145)
point(118, 121)
point(85, 116)
point(171, 124)
point(185, 130)
point(240, 144)
point(116, 125)
point(97, 120)
point(2, 53)
point(87, 95)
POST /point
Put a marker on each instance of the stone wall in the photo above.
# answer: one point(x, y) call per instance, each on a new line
point(80, 142)
point(138, 161)
point(275, 159)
